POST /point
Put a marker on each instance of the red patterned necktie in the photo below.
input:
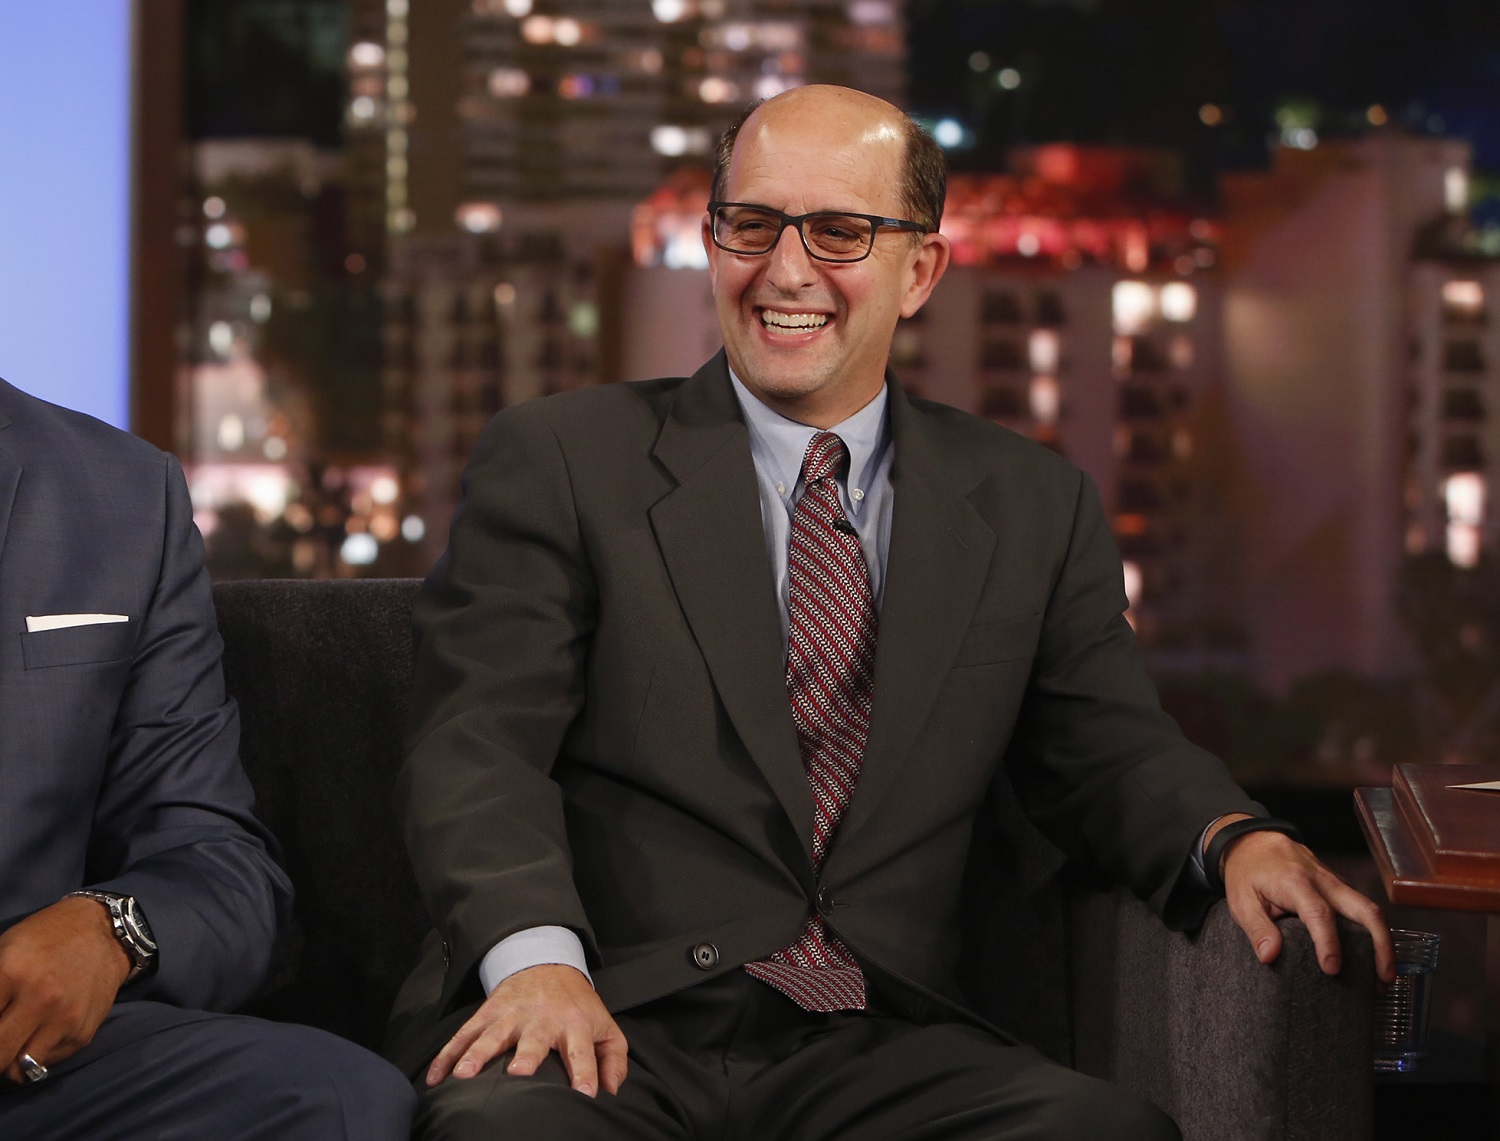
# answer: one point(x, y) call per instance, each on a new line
point(830, 680)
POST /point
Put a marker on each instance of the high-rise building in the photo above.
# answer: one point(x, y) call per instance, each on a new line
point(1453, 436)
point(512, 139)
point(1357, 344)
point(518, 100)
point(282, 432)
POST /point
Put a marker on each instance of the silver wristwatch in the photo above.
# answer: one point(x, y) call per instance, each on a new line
point(130, 927)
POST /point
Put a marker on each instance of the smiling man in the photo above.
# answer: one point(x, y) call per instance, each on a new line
point(717, 674)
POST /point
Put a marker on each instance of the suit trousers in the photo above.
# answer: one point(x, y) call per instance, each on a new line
point(734, 1060)
point(158, 1073)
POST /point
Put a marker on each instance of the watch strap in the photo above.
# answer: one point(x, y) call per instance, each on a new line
point(1213, 855)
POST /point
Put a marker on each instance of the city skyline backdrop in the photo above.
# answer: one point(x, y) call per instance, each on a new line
point(1256, 300)
point(1010, 72)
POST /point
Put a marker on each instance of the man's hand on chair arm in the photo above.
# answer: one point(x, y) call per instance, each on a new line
point(1268, 875)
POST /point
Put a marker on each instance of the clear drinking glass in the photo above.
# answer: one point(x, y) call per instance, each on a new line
point(1401, 1013)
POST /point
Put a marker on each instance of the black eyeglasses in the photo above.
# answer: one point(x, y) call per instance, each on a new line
point(744, 228)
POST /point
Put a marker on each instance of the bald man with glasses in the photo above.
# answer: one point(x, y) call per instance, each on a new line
point(714, 679)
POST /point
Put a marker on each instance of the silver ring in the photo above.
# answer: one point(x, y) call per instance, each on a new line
point(34, 1070)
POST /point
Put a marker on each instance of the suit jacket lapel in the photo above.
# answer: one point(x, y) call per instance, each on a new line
point(939, 557)
point(712, 540)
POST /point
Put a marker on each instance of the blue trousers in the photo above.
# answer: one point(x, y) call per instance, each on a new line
point(157, 1073)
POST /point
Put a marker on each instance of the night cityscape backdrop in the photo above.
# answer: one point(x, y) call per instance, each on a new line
point(1234, 259)
point(1237, 259)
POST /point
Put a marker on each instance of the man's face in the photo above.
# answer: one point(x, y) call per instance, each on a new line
point(811, 338)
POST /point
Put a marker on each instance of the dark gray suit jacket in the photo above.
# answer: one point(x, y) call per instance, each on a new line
point(601, 737)
point(119, 765)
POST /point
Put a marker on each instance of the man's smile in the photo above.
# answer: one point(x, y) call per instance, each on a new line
point(778, 322)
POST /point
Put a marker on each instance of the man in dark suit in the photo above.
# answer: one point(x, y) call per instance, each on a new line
point(713, 680)
point(137, 890)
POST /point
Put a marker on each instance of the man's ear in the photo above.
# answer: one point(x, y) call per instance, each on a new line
point(711, 250)
point(927, 271)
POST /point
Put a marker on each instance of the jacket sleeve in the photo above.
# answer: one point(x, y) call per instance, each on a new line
point(1098, 765)
point(173, 824)
point(502, 632)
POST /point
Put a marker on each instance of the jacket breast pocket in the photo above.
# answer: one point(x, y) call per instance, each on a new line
point(1007, 641)
point(78, 645)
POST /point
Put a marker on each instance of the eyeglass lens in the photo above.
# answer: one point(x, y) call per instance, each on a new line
point(746, 230)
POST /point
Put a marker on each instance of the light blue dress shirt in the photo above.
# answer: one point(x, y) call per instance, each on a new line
point(778, 445)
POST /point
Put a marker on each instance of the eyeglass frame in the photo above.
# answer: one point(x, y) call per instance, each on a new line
point(796, 221)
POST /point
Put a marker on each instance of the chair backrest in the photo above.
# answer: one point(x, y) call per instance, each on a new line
point(322, 672)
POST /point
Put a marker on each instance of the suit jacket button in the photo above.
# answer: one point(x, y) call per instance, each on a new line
point(825, 901)
point(705, 956)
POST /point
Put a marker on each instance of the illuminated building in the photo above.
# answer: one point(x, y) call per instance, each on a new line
point(512, 139)
point(1355, 390)
point(1453, 435)
point(281, 418)
point(1082, 309)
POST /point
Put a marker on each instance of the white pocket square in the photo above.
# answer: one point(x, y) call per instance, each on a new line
point(35, 624)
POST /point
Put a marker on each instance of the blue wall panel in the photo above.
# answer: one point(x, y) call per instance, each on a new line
point(65, 202)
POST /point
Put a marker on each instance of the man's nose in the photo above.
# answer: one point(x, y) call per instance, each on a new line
point(791, 266)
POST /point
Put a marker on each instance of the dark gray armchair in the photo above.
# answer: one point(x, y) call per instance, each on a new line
point(1231, 1049)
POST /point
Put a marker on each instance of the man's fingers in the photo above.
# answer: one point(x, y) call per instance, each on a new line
point(577, 1052)
point(531, 1051)
point(44, 1048)
point(17, 1026)
point(1367, 913)
point(494, 1040)
point(1385, 949)
point(1259, 928)
point(454, 1049)
point(613, 1067)
point(1318, 917)
point(442, 1065)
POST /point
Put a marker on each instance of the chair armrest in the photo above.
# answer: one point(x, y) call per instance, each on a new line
point(1233, 1050)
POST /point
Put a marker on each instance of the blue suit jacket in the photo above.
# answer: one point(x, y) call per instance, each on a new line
point(119, 765)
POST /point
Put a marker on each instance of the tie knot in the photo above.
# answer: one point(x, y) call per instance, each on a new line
point(825, 456)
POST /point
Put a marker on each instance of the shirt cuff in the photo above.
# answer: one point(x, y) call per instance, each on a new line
point(534, 947)
point(1200, 877)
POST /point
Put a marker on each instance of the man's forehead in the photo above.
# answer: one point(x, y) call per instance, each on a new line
point(826, 120)
point(844, 150)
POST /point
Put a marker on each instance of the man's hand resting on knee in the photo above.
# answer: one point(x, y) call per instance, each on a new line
point(536, 1011)
point(60, 970)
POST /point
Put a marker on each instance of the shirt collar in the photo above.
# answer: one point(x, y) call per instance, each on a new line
point(783, 442)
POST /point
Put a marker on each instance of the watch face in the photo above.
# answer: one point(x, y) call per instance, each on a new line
point(135, 919)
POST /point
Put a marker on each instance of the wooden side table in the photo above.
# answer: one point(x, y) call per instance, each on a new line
point(1440, 847)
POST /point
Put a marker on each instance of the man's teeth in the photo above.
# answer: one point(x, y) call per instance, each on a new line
point(793, 320)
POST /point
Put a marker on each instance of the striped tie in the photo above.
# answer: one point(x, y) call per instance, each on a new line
point(830, 680)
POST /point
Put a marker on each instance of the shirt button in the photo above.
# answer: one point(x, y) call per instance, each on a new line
point(825, 901)
point(781, 489)
point(857, 493)
point(705, 956)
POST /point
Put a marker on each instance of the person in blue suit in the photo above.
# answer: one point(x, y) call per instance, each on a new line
point(139, 897)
